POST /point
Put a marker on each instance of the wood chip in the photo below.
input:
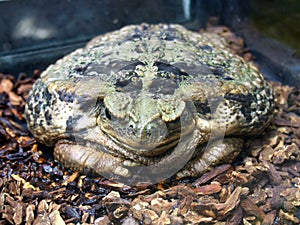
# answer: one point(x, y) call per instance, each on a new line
point(212, 188)
point(252, 209)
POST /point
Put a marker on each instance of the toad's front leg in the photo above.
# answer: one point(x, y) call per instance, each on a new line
point(88, 160)
point(217, 152)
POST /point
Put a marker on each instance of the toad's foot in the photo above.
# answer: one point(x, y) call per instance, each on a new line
point(218, 152)
point(88, 160)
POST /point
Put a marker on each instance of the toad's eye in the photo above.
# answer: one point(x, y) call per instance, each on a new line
point(107, 114)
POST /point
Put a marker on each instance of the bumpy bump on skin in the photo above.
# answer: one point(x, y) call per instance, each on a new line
point(130, 96)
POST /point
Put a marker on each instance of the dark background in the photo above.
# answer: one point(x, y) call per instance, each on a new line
point(35, 33)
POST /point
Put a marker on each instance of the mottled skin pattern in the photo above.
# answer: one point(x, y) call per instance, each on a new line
point(126, 99)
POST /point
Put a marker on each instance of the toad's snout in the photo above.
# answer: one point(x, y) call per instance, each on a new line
point(148, 135)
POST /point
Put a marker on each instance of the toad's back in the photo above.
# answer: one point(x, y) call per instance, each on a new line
point(131, 86)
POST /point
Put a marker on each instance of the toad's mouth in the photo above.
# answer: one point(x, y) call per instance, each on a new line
point(149, 148)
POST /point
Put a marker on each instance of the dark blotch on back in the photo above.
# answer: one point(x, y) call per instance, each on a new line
point(66, 96)
point(245, 101)
point(128, 80)
point(220, 72)
point(128, 85)
point(203, 108)
point(138, 33)
point(168, 78)
point(163, 86)
point(47, 96)
point(132, 66)
point(206, 48)
point(81, 69)
point(167, 36)
point(37, 107)
point(121, 83)
point(164, 68)
point(48, 117)
point(43, 99)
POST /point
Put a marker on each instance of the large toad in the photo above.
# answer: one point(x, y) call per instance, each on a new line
point(149, 100)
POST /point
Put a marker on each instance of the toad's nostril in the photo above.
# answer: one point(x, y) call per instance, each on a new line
point(152, 130)
point(153, 133)
point(131, 130)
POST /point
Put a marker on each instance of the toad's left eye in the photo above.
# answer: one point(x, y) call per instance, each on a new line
point(107, 114)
